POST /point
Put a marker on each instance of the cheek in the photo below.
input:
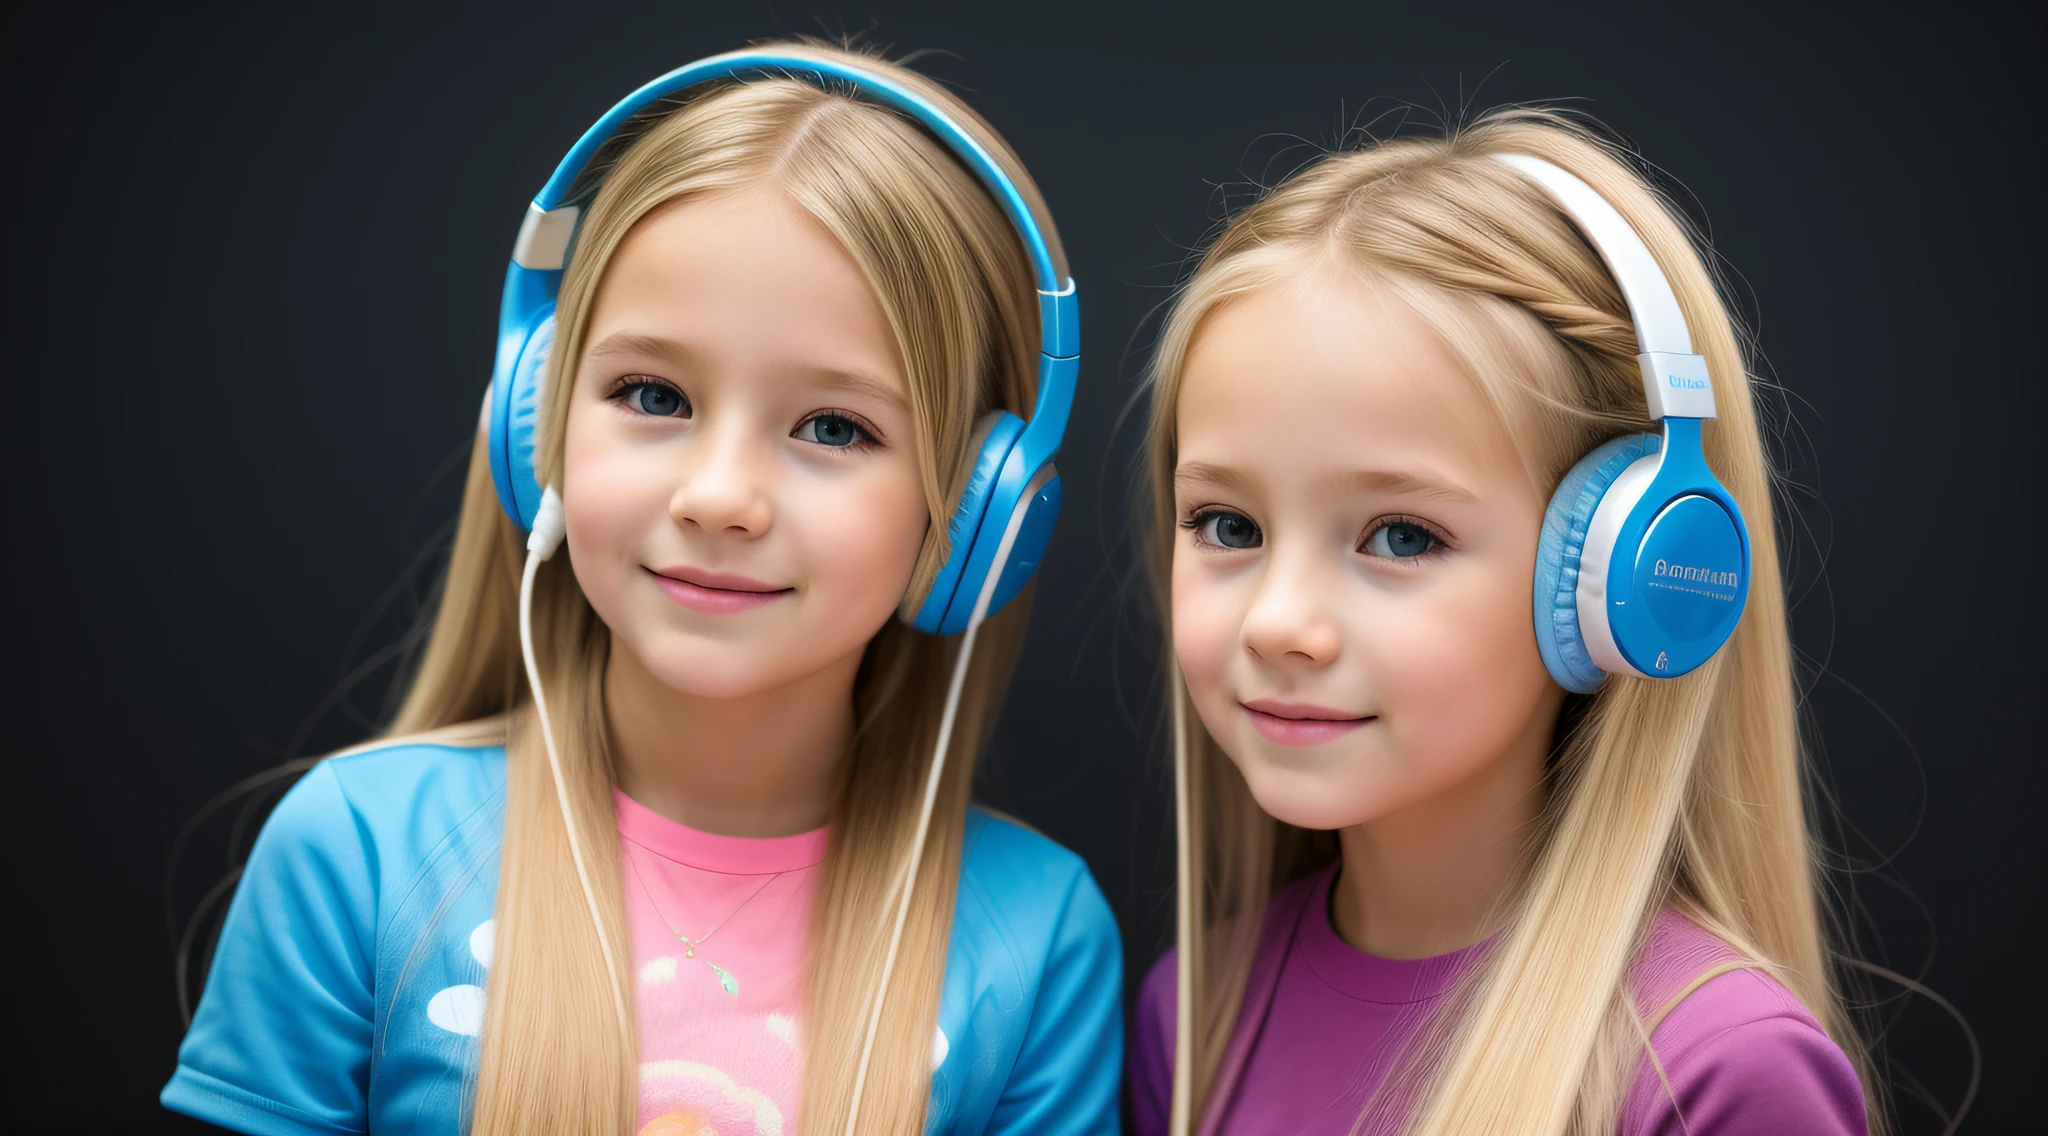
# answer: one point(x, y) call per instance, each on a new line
point(1207, 617)
point(610, 497)
point(1459, 669)
point(858, 538)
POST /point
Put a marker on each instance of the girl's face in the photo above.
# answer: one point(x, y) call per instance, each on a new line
point(1352, 575)
point(740, 478)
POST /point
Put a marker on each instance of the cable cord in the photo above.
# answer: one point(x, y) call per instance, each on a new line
point(541, 543)
point(548, 529)
point(931, 792)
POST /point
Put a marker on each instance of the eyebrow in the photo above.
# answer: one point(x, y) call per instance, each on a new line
point(859, 383)
point(1414, 483)
point(1189, 474)
point(658, 347)
point(629, 343)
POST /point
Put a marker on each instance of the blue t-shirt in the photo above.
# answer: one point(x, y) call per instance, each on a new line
point(359, 906)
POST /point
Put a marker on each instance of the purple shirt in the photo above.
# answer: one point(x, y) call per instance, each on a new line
point(1324, 1022)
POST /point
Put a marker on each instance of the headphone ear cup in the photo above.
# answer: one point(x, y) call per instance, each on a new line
point(1559, 638)
point(515, 424)
point(994, 434)
point(994, 437)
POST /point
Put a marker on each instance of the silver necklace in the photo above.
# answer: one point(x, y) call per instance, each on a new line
point(725, 979)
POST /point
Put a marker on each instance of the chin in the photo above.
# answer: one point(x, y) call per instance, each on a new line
point(708, 670)
point(1314, 811)
point(1324, 798)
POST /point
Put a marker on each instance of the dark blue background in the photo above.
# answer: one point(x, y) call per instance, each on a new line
point(258, 256)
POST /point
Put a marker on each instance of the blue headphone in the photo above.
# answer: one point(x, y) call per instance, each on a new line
point(1012, 482)
point(1643, 566)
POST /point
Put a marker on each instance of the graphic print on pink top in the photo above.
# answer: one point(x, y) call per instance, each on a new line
point(718, 926)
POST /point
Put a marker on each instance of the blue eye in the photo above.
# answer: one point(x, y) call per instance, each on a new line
point(1399, 540)
point(658, 400)
point(834, 430)
point(1223, 529)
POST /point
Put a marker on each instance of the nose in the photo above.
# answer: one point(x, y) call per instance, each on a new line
point(1291, 624)
point(723, 485)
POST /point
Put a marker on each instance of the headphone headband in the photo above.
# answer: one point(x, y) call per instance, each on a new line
point(1674, 379)
point(1010, 480)
point(549, 231)
point(1643, 565)
point(551, 220)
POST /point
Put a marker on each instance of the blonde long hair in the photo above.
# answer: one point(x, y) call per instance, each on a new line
point(953, 282)
point(1683, 793)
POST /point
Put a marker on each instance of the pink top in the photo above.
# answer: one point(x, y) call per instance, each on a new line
point(1324, 1022)
point(718, 926)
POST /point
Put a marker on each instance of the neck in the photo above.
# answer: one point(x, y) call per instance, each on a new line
point(1433, 877)
point(758, 766)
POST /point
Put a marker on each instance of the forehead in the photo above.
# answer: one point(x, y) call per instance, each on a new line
point(1328, 375)
point(748, 279)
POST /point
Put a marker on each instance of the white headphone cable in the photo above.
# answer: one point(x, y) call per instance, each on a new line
point(931, 789)
point(548, 529)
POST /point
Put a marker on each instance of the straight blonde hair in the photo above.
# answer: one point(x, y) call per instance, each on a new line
point(954, 284)
point(1684, 793)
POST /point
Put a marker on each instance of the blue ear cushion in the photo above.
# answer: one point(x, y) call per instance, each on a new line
point(1557, 558)
point(518, 490)
point(994, 437)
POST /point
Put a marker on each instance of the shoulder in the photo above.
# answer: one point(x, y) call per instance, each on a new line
point(1156, 995)
point(400, 776)
point(371, 867)
point(1033, 990)
point(402, 786)
point(368, 820)
point(1150, 1077)
point(1150, 1072)
point(1158, 1004)
point(1738, 1051)
point(1156, 998)
point(1028, 918)
point(1034, 889)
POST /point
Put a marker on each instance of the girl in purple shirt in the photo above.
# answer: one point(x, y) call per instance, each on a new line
point(1440, 874)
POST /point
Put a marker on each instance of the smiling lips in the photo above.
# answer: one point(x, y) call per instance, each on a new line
point(1295, 723)
point(719, 593)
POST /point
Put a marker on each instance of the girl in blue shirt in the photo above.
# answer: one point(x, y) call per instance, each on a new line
point(794, 328)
